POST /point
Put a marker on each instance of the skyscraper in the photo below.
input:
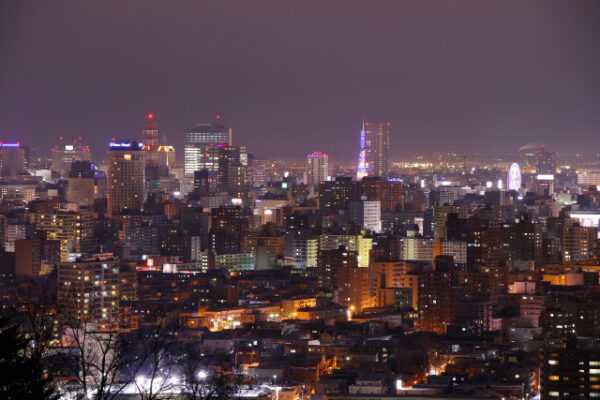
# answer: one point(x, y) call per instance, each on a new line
point(374, 149)
point(316, 168)
point(202, 147)
point(378, 146)
point(546, 161)
point(232, 173)
point(64, 155)
point(126, 172)
point(258, 167)
point(150, 139)
point(12, 159)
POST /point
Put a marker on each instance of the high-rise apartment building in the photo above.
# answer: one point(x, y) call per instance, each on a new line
point(316, 168)
point(375, 146)
point(366, 214)
point(202, 145)
point(125, 176)
point(305, 252)
point(88, 289)
point(75, 231)
point(579, 243)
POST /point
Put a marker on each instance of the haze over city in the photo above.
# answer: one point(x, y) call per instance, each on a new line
point(299, 200)
point(293, 77)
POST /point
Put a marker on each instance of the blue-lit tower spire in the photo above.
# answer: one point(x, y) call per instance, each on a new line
point(362, 169)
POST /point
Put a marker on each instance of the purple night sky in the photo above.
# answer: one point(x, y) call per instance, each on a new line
point(291, 78)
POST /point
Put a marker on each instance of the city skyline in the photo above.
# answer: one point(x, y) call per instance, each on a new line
point(341, 200)
point(467, 84)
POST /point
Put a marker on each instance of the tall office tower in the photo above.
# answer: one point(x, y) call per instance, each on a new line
point(75, 231)
point(366, 214)
point(12, 159)
point(316, 168)
point(202, 145)
point(227, 155)
point(88, 289)
point(258, 167)
point(64, 155)
point(150, 139)
point(546, 161)
point(126, 170)
point(232, 173)
point(374, 149)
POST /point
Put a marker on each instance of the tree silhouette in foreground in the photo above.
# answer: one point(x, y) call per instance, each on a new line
point(22, 375)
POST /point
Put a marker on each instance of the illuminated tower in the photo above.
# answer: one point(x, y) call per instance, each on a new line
point(150, 139)
point(362, 169)
point(125, 176)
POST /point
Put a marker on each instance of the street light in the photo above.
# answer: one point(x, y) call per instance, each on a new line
point(276, 388)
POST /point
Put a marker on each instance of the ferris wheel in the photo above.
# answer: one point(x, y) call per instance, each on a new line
point(514, 177)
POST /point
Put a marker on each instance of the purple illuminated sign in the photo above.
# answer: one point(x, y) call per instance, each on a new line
point(11, 145)
point(120, 145)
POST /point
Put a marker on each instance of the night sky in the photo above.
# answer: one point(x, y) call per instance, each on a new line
point(293, 78)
